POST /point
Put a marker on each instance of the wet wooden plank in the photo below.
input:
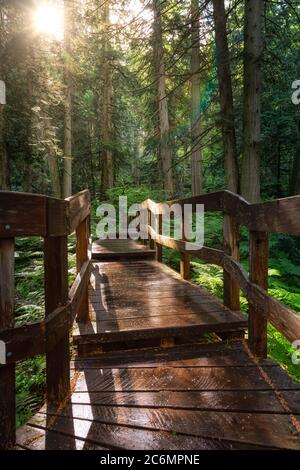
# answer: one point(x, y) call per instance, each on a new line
point(32, 438)
point(242, 401)
point(192, 301)
point(274, 430)
point(119, 249)
point(121, 292)
point(86, 334)
point(112, 246)
point(292, 398)
point(193, 355)
point(98, 314)
point(180, 379)
point(220, 319)
point(122, 437)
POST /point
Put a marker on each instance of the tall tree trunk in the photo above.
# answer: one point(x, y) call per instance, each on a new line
point(138, 150)
point(166, 152)
point(4, 168)
point(46, 135)
point(67, 173)
point(295, 176)
point(54, 174)
point(226, 97)
point(27, 179)
point(250, 182)
point(91, 134)
point(107, 175)
point(196, 152)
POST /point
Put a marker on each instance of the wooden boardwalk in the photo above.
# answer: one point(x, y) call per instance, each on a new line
point(121, 249)
point(184, 396)
point(145, 300)
point(158, 363)
point(187, 397)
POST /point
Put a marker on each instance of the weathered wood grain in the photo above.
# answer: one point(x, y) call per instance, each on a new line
point(82, 244)
point(56, 294)
point(249, 428)
point(78, 209)
point(231, 248)
point(7, 319)
point(22, 214)
point(259, 257)
point(209, 396)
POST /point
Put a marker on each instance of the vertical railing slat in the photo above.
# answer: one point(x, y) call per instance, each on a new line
point(56, 294)
point(7, 372)
point(185, 259)
point(158, 247)
point(151, 224)
point(231, 248)
point(82, 245)
point(259, 255)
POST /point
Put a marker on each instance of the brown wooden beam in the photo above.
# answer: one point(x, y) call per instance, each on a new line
point(259, 256)
point(56, 294)
point(82, 245)
point(7, 372)
point(158, 247)
point(185, 258)
point(231, 248)
point(22, 215)
point(78, 209)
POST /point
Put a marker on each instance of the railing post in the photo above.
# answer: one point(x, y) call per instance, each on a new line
point(56, 294)
point(150, 222)
point(82, 246)
point(231, 248)
point(185, 259)
point(158, 247)
point(259, 255)
point(7, 372)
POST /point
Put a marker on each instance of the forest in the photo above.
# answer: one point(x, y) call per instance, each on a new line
point(159, 99)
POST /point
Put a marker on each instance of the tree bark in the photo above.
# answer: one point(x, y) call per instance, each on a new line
point(46, 135)
point(138, 150)
point(165, 149)
point(4, 168)
point(67, 173)
point(295, 176)
point(107, 175)
point(226, 97)
point(196, 152)
point(253, 51)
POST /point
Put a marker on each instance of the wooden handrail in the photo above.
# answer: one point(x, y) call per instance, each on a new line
point(24, 215)
point(279, 216)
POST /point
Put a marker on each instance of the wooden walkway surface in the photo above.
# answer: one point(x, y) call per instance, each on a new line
point(187, 397)
point(121, 249)
point(144, 300)
point(140, 394)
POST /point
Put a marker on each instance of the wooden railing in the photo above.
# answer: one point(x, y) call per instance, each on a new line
point(280, 216)
point(53, 219)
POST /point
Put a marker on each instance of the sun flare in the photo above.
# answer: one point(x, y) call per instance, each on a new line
point(48, 19)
